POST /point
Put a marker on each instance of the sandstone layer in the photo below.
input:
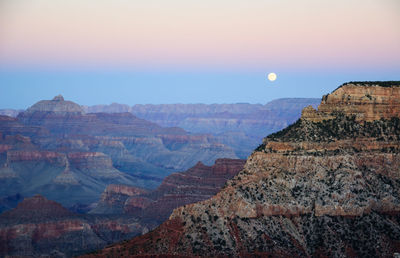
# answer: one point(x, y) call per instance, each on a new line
point(196, 184)
point(42, 228)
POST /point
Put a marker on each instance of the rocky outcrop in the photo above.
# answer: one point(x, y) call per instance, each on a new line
point(36, 156)
point(367, 102)
point(320, 188)
point(40, 227)
point(57, 105)
point(89, 160)
point(113, 199)
point(196, 184)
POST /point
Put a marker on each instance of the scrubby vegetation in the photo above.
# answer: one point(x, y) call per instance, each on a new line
point(371, 83)
point(340, 128)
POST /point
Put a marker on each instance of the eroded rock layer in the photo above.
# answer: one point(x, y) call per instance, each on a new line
point(321, 187)
point(196, 184)
point(38, 227)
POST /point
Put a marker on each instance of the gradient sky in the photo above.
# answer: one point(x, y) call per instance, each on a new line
point(182, 51)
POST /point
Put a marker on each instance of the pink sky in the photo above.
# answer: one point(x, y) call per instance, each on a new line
point(208, 33)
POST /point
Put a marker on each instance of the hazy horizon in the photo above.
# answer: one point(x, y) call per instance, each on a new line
point(157, 52)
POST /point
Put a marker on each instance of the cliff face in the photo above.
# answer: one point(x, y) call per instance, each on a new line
point(57, 105)
point(373, 102)
point(40, 227)
point(114, 198)
point(57, 150)
point(321, 187)
point(196, 184)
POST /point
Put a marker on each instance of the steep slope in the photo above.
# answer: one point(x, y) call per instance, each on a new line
point(42, 228)
point(328, 185)
point(196, 184)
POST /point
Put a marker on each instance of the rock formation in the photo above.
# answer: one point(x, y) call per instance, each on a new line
point(196, 184)
point(42, 228)
point(55, 149)
point(113, 199)
point(240, 126)
point(328, 185)
point(57, 105)
point(374, 102)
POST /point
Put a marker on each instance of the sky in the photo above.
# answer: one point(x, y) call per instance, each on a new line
point(186, 51)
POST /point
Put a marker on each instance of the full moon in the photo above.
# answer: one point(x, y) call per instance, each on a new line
point(272, 77)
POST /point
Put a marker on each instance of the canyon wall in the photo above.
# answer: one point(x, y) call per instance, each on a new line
point(320, 187)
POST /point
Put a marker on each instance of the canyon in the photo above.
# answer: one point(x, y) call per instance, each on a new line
point(41, 227)
point(196, 184)
point(57, 150)
point(327, 185)
point(240, 126)
point(90, 179)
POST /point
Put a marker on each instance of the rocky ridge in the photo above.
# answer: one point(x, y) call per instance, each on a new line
point(321, 187)
point(196, 184)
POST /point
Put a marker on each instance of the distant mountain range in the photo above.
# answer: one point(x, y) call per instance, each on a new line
point(240, 126)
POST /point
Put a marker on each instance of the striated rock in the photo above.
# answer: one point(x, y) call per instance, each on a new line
point(367, 102)
point(56, 150)
point(241, 126)
point(89, 160)
point(114, 197)
point(26, 155)
point(318, 188)
point(196, 184)
point(11, 126)
point(57, 105)
point(128, 140)
point(40, 227)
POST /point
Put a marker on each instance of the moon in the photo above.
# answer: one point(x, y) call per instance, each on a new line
point(272, 77)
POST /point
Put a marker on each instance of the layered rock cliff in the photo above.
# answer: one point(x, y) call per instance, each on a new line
point(42, 228)
point(320, 187)
point(196, 184)
point(57, 150)
point(241, 126)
